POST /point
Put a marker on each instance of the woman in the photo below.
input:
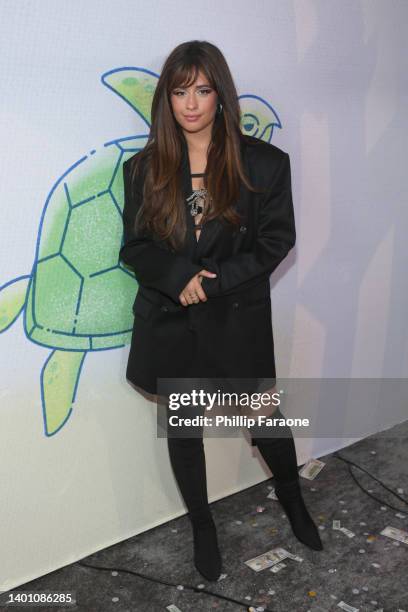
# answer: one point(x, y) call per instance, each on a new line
point(217, 218)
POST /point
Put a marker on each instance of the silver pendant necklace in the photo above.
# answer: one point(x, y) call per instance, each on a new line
point(197, 199)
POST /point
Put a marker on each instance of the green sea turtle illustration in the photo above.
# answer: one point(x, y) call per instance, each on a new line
point(78, 296)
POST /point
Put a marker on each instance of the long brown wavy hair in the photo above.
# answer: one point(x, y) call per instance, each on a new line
point(164, 210)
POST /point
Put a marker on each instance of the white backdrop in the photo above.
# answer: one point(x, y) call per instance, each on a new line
point(335, 75)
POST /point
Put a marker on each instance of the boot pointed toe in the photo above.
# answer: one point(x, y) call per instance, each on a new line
point(207, 556)
point(312, 540)
point(212, 574)
point(291, 499)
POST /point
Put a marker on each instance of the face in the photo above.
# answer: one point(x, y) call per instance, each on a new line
point(195, 107)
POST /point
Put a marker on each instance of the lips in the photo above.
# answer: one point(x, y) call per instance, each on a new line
point(191, 116)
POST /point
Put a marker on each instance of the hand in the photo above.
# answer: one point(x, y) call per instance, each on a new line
point(193, 292)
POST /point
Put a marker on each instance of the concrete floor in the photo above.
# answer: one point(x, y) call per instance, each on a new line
point(368, 572)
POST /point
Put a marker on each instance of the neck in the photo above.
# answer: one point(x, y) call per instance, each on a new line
point(198, 142)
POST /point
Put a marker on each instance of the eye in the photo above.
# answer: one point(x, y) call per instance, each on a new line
point(200, 91)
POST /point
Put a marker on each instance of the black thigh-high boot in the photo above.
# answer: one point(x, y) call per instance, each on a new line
point(279, 454)
point(187, 458)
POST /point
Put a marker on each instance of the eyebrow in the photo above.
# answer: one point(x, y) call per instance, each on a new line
point(197, 86)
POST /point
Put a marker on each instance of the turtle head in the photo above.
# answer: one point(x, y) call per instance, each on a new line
point(257, 117)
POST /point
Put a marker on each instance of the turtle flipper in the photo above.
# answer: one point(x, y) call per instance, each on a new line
point(59, 379)
point(12, 300)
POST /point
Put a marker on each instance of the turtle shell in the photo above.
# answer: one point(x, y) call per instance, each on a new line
point(80, 295)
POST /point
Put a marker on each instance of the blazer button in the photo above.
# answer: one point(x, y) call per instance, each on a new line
point(235, 305)
point(243, 228)
point(164, 308)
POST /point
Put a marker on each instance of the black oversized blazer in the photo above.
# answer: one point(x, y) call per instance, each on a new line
point(230, 335)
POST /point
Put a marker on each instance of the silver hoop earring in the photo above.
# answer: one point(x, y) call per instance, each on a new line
point(219, 108)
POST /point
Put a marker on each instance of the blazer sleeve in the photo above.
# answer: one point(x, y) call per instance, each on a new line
point(154, 265)
point(276, 235)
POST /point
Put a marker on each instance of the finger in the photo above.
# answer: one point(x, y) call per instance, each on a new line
point(201, 293)
point(197, 290)
point(207, 273)
point(183, 299)
point(188, 297)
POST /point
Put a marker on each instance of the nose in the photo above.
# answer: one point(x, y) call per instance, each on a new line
point(191, 101)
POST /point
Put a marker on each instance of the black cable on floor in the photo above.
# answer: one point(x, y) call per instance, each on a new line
point(374, 477)
point(235, 601)
point(185, 587)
